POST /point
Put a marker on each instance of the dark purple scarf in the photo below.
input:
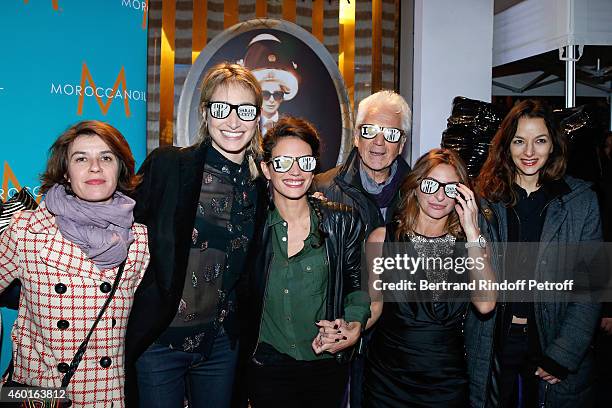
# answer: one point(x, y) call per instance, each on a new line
point(102, 231)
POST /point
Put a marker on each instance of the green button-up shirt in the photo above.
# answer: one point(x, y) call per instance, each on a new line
point(296, 292)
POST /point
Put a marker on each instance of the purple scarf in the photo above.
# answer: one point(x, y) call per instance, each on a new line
point(102, 231)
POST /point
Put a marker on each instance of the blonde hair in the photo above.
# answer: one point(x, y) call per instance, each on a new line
point(226, 74)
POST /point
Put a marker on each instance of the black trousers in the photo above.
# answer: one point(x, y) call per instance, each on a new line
point(519, 384)
point(603, 365)
point(298, 384)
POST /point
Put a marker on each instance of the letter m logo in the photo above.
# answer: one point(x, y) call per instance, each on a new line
point(104, 106)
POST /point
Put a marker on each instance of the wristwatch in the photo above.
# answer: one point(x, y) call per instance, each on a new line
point(480, 243)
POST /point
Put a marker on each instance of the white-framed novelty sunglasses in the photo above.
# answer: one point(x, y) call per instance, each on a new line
point(282, 164)
point(391, 134)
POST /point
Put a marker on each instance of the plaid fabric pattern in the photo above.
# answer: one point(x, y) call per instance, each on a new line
point(60, 285)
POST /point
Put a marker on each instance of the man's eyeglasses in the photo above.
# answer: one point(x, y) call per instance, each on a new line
point(431, 186)
point(282, 164)
point(278, 95)
point(391, 134)
point(221, 110)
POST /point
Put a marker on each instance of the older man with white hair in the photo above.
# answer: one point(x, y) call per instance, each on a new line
point(370, 179)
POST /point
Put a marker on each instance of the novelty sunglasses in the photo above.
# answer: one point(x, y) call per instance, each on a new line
point(391, 134)
point(282, 164)
point(221, 110)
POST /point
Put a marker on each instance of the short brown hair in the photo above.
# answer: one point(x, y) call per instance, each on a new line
point(289, 126)
point(499, 172)
point(408, 210)
point(57, 165)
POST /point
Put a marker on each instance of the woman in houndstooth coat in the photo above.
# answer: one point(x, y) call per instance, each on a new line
point(67, 254)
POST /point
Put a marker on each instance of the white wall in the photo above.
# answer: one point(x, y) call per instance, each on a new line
point(406, 63)
point(453, 43)
point(533, 27)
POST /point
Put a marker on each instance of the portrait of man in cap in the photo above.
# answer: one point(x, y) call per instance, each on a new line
point(276, 71)
point(296, 73)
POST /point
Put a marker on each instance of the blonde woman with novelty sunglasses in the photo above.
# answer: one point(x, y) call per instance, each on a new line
point(201, 204)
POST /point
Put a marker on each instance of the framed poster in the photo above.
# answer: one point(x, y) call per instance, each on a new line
point(297, 74)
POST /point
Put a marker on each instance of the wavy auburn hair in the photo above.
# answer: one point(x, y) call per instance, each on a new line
point(499, 172)
point(409, 210)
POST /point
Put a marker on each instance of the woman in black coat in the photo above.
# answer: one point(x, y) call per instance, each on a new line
point(200, 204)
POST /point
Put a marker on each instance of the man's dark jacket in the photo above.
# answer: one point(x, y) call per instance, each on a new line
point(342, 184)
point(166, 202)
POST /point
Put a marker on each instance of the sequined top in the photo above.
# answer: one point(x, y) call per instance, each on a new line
point(434, 247)
point(222, 230)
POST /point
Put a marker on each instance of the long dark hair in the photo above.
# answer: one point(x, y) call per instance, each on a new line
point(498, 173)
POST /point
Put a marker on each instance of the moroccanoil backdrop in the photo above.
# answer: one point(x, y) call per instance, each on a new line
point(64, 61)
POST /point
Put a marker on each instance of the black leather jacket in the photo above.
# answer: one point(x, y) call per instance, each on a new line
point(344, 236)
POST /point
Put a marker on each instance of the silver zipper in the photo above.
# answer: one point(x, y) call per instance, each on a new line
point(544, 208)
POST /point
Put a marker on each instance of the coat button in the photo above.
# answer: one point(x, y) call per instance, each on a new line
point(60, 288)
point(63, 368)
point(105, 362)
point(114, 322)
point(62, 324)
point(105, 287)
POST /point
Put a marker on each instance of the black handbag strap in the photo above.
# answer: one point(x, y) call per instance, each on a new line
point(76, 360)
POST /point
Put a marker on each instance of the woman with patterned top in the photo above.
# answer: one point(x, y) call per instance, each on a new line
point(67, 254)
point(307, 308)
point(416, 357)
point(200, 205)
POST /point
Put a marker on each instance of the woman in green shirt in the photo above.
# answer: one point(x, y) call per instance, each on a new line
point(306, 277)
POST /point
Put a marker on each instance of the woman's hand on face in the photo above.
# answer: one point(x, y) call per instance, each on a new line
point(335, 335)
point(467, 209)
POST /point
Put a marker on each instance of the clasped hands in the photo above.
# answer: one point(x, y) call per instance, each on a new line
point(335, 335)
